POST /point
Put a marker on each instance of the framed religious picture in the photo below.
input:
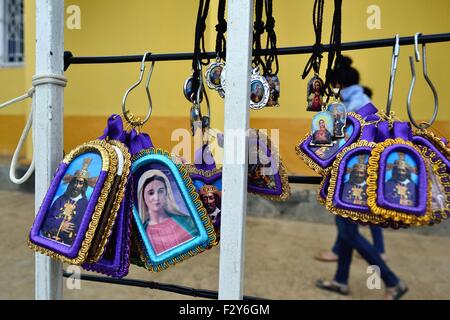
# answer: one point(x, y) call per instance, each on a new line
point(399, 186)
point(68, 218)
point(171, 220)
point(322, 129)
point(315, 93)
point(267, 175)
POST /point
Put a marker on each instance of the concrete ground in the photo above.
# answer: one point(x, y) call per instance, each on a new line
point(278, 261)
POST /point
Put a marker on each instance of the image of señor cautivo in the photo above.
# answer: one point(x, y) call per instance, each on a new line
point(64, 217)
point(165, 225)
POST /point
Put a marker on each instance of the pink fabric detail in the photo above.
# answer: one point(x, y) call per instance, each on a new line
point(166, 235)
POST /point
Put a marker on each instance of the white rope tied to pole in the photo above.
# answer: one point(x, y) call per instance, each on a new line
point(37, 80)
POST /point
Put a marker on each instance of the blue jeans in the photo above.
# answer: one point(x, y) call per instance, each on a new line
point(349, 238)
point(377, 237)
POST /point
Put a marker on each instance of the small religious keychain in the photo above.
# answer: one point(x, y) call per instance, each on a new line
point(315, 92)
point(213, 76)
point(322, 129)
point(271, 75)
point(214, 70)
point(339, 112)
point(259, 90)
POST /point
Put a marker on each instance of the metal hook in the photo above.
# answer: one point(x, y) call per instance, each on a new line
point(394, 63)
point(423, 124)
point(196, 113)
point(135, 121)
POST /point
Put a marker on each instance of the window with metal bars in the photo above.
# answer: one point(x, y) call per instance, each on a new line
point(11, 32)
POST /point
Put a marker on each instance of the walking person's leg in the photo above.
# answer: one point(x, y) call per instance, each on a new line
point(378, 239)
point(330, 256)
point(350, 238)
point(395, 288)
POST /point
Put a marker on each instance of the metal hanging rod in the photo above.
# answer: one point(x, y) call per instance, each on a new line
point(201, 293)
point(356, 45)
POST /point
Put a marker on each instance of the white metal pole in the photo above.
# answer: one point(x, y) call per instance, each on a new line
point(48, 127)
point(234, 179)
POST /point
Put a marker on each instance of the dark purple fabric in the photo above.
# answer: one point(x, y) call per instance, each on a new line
point(114, 129)
point(116, 259)
point(403, 130)
point(367, 110)
point(72, 251)
point(137, 142)
point(383, 132)
point(368, 133)
point(203, 159)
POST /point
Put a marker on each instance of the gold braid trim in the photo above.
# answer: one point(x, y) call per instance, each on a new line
point(284, 178)
point(117, 202)
point(321, 200)
point(192, 169)
point(372, 179)
point(436, 141)
point(109, 164)
point(351, 214)
point(306, 159)
point(212, 238)
point(313, 164)
point(438, 165)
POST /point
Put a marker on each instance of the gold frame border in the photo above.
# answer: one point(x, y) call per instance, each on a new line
point(372, 179)
point(350, 214)
point(117, 202)
point(435, 139)
point(109, 161)
point(198, 205)
point(318, 197)
point(436, 165)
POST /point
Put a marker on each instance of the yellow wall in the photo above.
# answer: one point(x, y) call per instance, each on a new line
point(115, 27)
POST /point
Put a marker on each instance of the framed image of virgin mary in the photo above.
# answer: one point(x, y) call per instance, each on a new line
point(171, 220)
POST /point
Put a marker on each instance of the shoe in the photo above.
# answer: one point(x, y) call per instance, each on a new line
point(326, 256)
point(395, 293)
point(332, 286)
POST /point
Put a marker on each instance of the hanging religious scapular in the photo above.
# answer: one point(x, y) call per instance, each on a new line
point(213, 76)
point(314, 94)
point(322, 129)
point(214, 71)
point(320, 158)
point(207, 179)
point(339, 112)
point(346, 193)
point(75, 220)
point(259, 90)
point(399, 185)
point(115, 259)
point(270, 75)
point(267, 175)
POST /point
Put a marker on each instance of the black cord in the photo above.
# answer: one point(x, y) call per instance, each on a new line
point(258, 31)
point(334, 54)
point(202, 293)
point(271, 44)
point(199, 42)
point(221, 28)
point(316, 57)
